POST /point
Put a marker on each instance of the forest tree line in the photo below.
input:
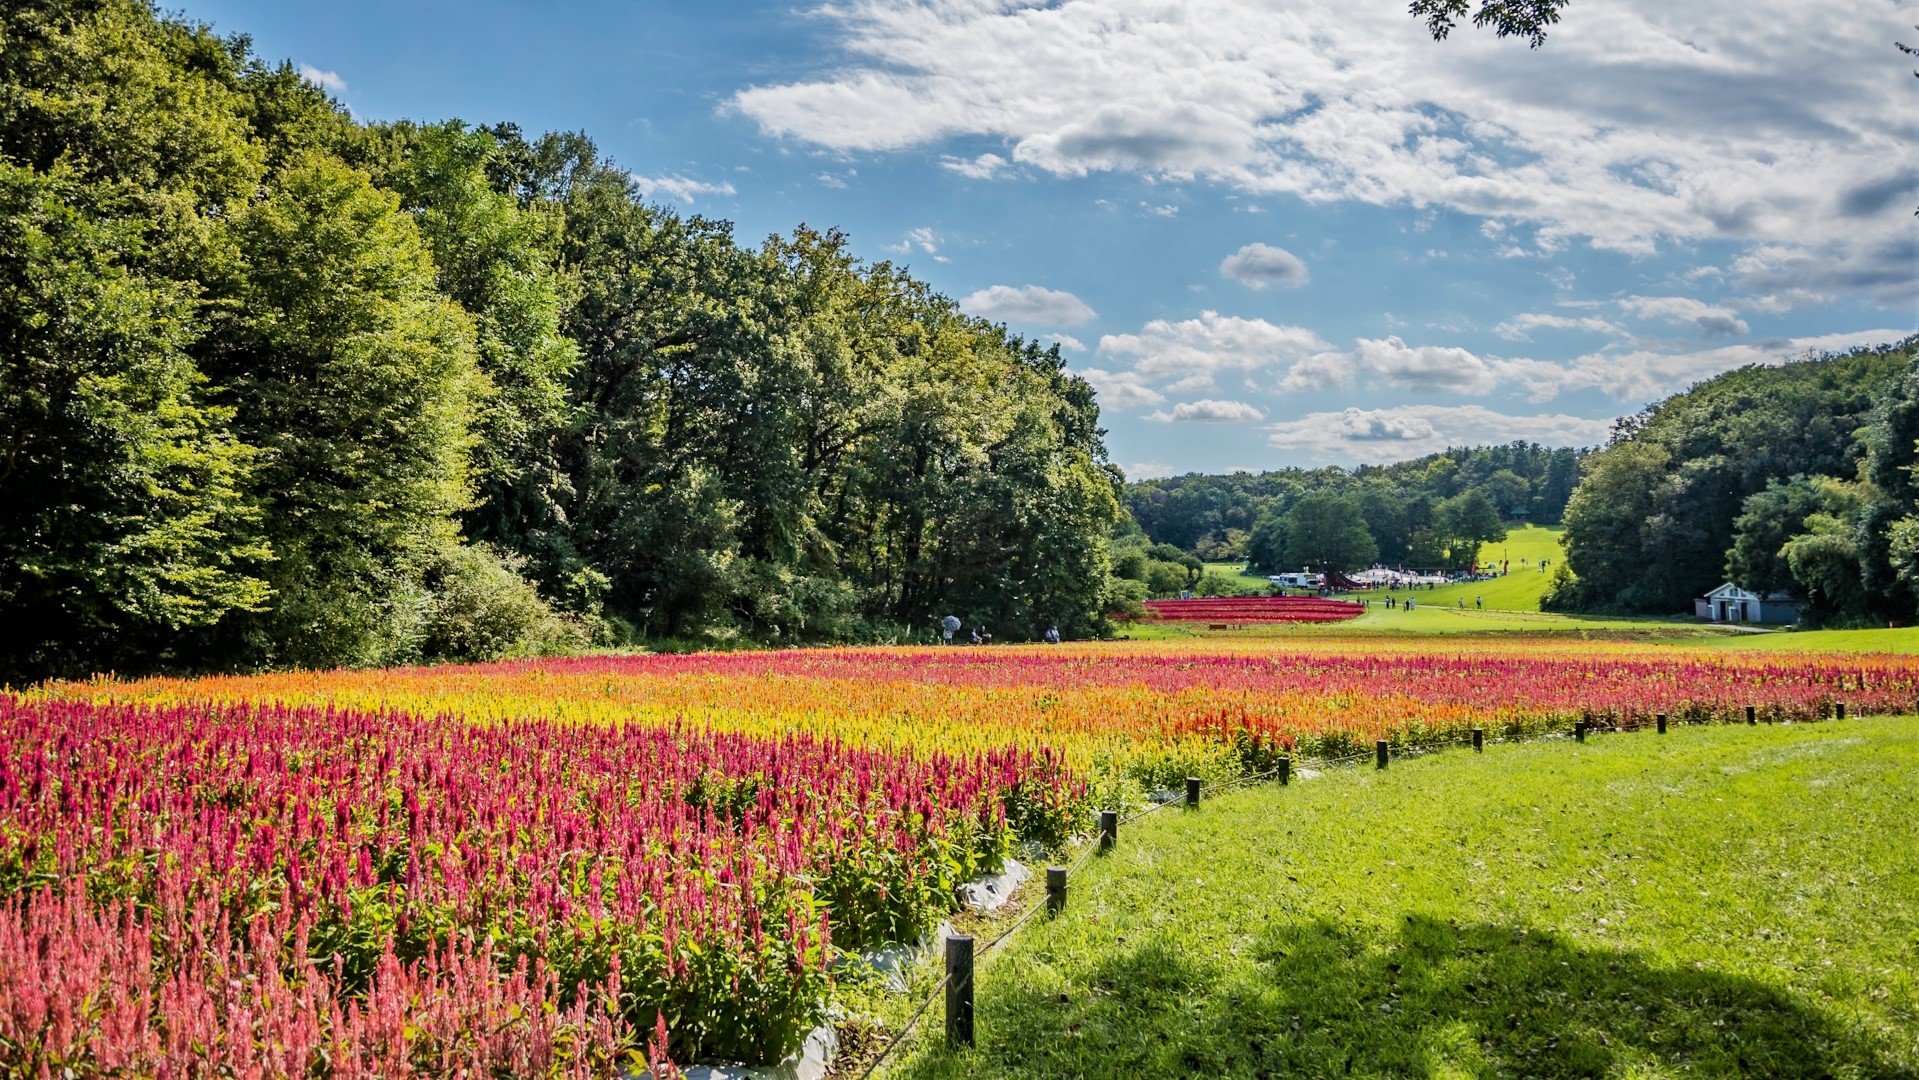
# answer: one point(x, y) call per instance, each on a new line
point(279, 388)
point(1797, 478)
point(1431, 513)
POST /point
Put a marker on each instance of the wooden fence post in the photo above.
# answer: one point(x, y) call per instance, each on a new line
point(1579, 731)
point(1108, 829)
point(1380, 749)
point(959, 991)
point(1285, 771)
point(1192, 793)
point(1479, 740)
point(1055, 889)
point(1662, 723)
point(1752, 715)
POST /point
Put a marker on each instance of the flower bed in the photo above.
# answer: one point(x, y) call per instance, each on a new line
point(522, 868)
point(1256, 609)
point(196, 889)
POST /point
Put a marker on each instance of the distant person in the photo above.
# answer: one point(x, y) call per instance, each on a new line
point(1052, 635)
point(976, 637)
point(1479, 602)
point(1462, 603)
point(985, 638)
point(949, 626)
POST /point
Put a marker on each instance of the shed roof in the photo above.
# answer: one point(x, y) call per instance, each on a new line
point(1729, 591)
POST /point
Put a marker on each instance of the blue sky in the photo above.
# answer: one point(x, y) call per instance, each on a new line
point(1270, 233)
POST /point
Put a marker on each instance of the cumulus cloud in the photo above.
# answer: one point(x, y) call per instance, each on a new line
point(1518, 327)
point(1638, 375)
point(983, 167)
point(1065, 341)
point(329, 81)
point(1209, 412)
point(1029, 304)
point(1387, 435)
point(1628, 373)
point(1392, 362)
point(1711, 319)
point(1211, 344)
point(1643, 122)
point(920, 239)
point(678, 189)
point(1146, 470)
point(1258, 265)
point(1120, 389)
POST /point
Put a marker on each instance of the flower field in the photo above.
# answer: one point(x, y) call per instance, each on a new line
point(535, 868)
point(1256, 609)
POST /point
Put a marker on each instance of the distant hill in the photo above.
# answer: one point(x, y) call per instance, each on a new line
point(1795, 477)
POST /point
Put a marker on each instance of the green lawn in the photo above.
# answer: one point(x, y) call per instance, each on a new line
point(1524, 547)
point(1519, 590)
point(1716, 902)
point(1887, 641)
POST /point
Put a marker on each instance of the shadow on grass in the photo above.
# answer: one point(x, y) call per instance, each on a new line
point(1437, 1000)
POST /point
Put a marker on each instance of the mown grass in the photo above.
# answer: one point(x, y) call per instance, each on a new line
point(1714, 902)
point(1905, 640)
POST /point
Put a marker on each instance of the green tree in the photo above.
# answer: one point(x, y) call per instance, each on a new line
point(1654, 529)
point(125, 517)
point(1511, 493)
point(1326, 532)
point(1508, 18)
point(1885, 525)
point(355, 378)
point(1467, 522)
point(1769, 519)
point(1605, 551)
point(1824, 557)
point(499, 261)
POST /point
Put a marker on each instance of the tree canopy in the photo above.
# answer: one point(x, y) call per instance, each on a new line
point(1796, 477)
point(280, 388)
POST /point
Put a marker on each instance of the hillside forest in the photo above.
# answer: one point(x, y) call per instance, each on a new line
point(1795, 478)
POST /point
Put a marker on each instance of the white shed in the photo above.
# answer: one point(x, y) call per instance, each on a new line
point(1732, 604)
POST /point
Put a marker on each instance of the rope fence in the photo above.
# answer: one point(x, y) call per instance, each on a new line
point(957, 985)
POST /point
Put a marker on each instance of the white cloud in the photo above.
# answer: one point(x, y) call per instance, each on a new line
point(1625, 374)
point(329, 81)
point(1162, 210)
point(1146, 470)
point(1065, 341)
point(1029, 304)
point(983, 167)
point(1712, 320)
point(1515, 328)
point(1209, 412)
point(1641, 122)
point(1646, 375)
point(1210, 344)
point(1426, 367)
point(1120, 389)
point(1258, 265)
point(678, 189)
point(920, 239)
point(1383, 436)
point(1395, 363)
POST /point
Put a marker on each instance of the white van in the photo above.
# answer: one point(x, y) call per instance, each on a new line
point(1295, 581)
